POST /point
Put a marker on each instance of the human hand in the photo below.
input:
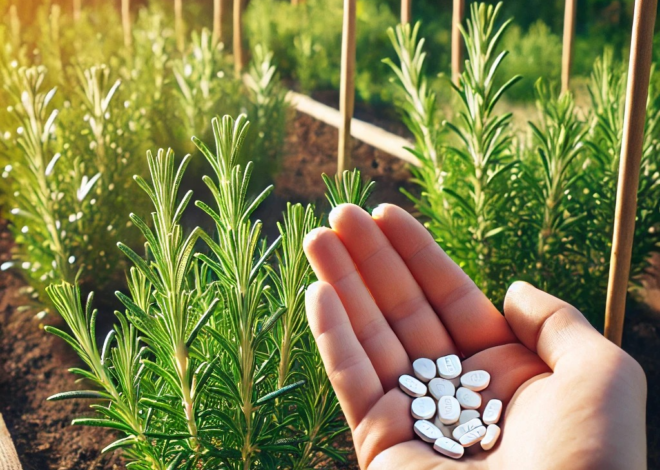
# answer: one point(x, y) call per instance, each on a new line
point(387, 295)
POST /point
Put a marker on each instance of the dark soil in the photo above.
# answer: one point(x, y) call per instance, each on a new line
point(33, 364)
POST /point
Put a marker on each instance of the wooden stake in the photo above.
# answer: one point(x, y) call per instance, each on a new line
point(406, 11)
point(8, 457)
point(217, 22)
point(631, 154)
point(347, 86)
point(457, 40)
point(238, 37)
point(570, 10)
point(178, 25)
point(126, 22)
point(76, 9)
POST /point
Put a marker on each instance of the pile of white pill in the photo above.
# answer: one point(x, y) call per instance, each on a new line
point(445, 406)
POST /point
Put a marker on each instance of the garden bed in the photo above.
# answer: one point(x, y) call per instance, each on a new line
point(33, 365)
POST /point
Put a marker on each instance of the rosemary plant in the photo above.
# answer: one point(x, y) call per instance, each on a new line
point(465, 189)
point(110, 106)
point(539, 209)
point(212, 364)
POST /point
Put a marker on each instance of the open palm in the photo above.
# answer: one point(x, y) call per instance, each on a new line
point(387, 295)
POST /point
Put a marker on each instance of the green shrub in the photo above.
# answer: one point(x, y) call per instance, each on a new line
point(533, 54)
point(509, 207)
point(111, 104)
point(212, 364)
point(306, 40)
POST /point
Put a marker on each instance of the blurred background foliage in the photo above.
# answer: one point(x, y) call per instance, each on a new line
point(306, 38)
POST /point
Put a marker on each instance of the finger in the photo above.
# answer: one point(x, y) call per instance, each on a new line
point(471, 319)
point(394, 289)
point(332, 263)
point(549, 326)
point(509, 366)
point(350, 372)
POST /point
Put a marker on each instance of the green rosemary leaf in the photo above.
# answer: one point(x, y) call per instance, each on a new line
point(79, 394)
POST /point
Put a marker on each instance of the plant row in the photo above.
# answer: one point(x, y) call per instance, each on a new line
point(534, 203)
point(78, 112)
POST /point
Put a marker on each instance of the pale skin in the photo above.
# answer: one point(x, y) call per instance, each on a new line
point(387, 294)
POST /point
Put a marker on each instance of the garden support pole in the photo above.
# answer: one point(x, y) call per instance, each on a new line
point(178, 24)
point(639, 69)
point(406, 11)
point(217, 22)
point(126, 22)
point(238, 37)
point(457, 40)
point(76, 9)
point(567, 49)
point(8, 457)
point(347, 86)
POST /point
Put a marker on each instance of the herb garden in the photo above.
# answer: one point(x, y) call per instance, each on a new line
point(162, 162)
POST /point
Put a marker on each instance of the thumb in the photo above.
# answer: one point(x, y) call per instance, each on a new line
point(551, 327)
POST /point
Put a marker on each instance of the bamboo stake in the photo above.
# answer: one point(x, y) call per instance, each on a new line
point(347, 86)
point(76, 9)
point(8, 456)
point(631, 154)
point(238, 37)
point(217, 21)
point(178, 25)
point(569, 36)
point(457, 40)
point(126, 22)
point(406, 11)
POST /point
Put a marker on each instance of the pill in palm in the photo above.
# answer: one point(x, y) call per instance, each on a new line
point(450, 448)
point(449, 410)
point(411, 386)
point(467, 415)
point(427, 431)
point(490, 439)
point(423, 408)
point(475, 380)
point(440, 388)
point(463, 429)
point(492, 412)
point(470, 438)
point(424, 369)
point(449, 367)
point(445, 405)
point(468, 399)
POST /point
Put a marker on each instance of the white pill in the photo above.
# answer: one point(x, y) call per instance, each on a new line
point(449, 367)
point(492, 412)
point(463, 429)
point(423, 408)
point(492, 434)
point(441, 388)
point(450, 448)
point(448, 410)
point(468, 399)
point(424, 369)
point(475, 380)
point(472, 437)
point(468, 415)
point(427, 431)
point(411, 386)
